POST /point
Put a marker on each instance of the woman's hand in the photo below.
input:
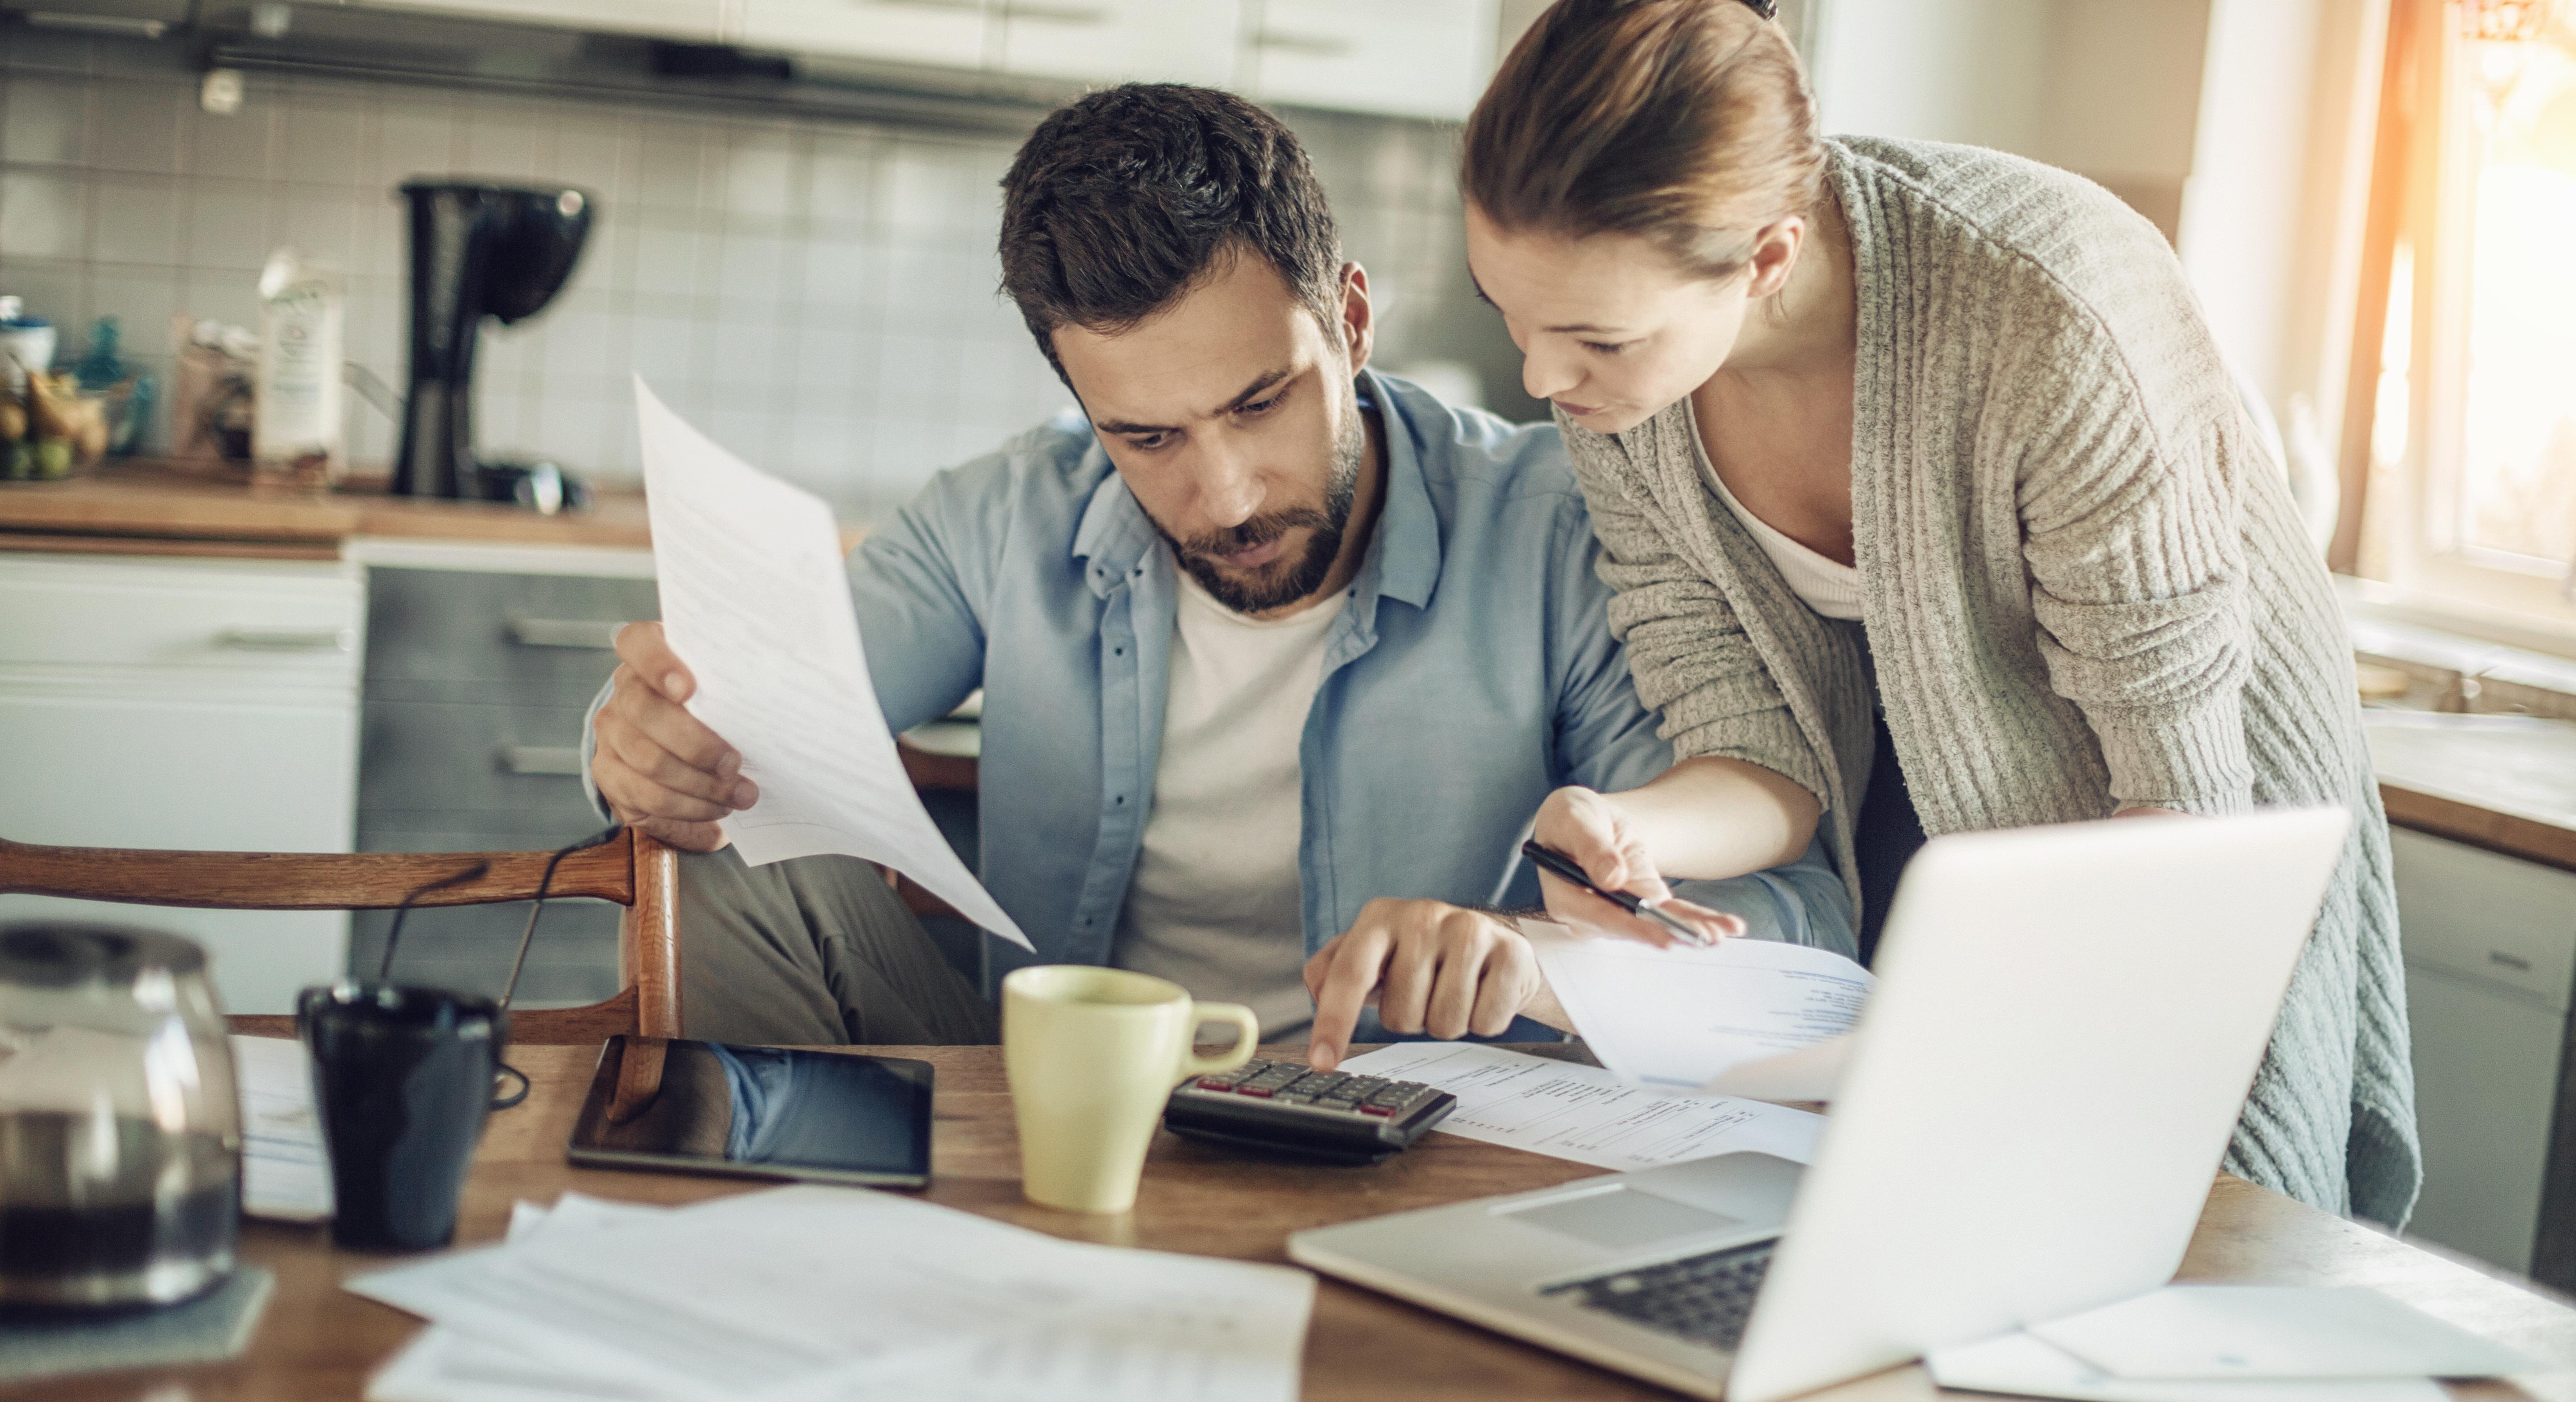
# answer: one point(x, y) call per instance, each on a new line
point(1611, 847)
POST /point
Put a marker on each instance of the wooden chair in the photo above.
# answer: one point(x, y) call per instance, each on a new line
point(631, 869)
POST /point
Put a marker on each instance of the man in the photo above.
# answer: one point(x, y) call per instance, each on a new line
point(1278, 655)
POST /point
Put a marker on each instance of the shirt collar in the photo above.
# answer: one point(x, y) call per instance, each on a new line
point(1403, 561)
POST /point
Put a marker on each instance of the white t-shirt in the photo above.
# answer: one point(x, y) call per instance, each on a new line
point(1820, 581)
point(1215, 904)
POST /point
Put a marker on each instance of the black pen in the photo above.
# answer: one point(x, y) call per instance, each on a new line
point(1562, 865)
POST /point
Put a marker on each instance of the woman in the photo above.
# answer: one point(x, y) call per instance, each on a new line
point(1931, 508)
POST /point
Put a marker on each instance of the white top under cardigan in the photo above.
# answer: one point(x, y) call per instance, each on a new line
point(1820, 581)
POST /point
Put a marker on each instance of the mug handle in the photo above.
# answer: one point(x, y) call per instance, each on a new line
point(1247, 1036)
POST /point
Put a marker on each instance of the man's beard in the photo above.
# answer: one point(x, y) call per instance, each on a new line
point(1282, 582)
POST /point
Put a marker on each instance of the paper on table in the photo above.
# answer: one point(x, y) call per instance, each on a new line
point(1740, 1017)
point(837, 1295)
point(2030, 1367)
point(286, 1174)
point(755, 599)
point(1583, 1113)
point(2275, 1331)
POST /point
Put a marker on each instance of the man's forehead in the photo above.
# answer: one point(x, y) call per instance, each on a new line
point(1196, 356)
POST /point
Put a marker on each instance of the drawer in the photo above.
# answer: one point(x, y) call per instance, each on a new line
point(451, 635)
point(2479, 915)
point(269, 620)
point(468, 948)
point(521, 762)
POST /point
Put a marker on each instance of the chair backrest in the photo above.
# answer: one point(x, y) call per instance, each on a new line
point(631, 869)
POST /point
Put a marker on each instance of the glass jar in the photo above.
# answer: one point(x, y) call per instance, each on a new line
point(120, 1129)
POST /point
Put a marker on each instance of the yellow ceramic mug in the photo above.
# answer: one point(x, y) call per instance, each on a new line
point(1092, 1054)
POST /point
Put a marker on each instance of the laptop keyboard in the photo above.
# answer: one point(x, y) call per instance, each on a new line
point(1704, 1298)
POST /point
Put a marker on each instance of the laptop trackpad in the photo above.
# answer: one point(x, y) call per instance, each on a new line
point(1623, 1217)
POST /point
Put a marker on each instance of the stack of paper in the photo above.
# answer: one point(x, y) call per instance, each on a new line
point(816, 1294)
point(285, 1173)
point(1754, 1018)
point(1570, 1111)
point(2232, 1343)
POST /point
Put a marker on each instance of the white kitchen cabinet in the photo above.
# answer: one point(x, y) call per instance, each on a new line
point(1163, 41)
point(946, 33)
point(186, 704)
point(698, 20)
point(1418, 58)
point(2490, 948)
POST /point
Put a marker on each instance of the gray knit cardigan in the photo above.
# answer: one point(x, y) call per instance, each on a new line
point(2083, 586)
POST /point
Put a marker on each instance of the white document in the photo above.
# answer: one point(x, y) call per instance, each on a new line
point(2275, 1331)
point(1740, 1017)
point(814, 1294)
point(1583, 1113)
point(2030, 1367)
point(286, 1173)
point(756, 600)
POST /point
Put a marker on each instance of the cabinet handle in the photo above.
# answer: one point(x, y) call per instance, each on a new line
point(1057, 14)
point(2514, 962)
point(541, 759)
point(281, 640)
point(589, 633)
point(1311, 45)
point(927, 4)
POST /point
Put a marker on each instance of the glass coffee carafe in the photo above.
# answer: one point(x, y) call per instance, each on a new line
point(120, 1130)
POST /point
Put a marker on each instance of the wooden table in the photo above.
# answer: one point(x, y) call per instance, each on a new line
point(320, 1342)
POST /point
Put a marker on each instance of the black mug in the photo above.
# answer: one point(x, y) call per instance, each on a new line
point(402, 1082)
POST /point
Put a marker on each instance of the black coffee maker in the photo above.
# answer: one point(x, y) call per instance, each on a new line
point(476, 251)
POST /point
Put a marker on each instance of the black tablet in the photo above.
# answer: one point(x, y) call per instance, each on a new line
point(756, 1112)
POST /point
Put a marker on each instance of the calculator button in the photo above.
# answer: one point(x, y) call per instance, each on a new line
point(1215, 1083)
point(1371, 1109)
point(1256, 1092)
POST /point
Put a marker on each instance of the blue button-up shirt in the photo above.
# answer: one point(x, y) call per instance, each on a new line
point(1471, 672)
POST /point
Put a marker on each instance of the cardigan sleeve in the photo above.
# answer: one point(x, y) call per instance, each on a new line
point(2133, 530)
point(1687, 650)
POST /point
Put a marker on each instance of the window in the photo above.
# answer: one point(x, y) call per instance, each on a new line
point(2471, 431)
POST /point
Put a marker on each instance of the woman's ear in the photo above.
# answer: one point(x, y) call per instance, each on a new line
point(1775, 256)
point(1359, 319)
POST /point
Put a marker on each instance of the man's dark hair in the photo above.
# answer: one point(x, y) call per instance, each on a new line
point(1120, 203)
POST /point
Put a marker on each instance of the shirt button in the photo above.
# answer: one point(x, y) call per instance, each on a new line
point(1118, 652)
point(1122, 798)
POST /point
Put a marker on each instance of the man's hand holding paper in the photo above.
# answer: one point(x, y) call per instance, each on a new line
point(660, 769)
point(750, 718)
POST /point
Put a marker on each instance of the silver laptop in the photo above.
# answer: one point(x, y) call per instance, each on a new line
point(2065, 1025)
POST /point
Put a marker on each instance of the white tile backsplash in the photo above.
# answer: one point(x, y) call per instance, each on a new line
point(45, 120)
point(43, 214)
point(818, 295)
point(135, 221)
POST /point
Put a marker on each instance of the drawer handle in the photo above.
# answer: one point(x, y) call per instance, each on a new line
point(929, 4)
point(2514, 962)
point(542, 759)
point(589, 634)
point(285, 640)
point(1058, 14)
point(1311, 45)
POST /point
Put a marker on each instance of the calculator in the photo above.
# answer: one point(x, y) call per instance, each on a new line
point(1280, 1107)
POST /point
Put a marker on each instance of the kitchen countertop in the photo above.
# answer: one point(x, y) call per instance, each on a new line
point(2506, 783)
point(156, 508)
